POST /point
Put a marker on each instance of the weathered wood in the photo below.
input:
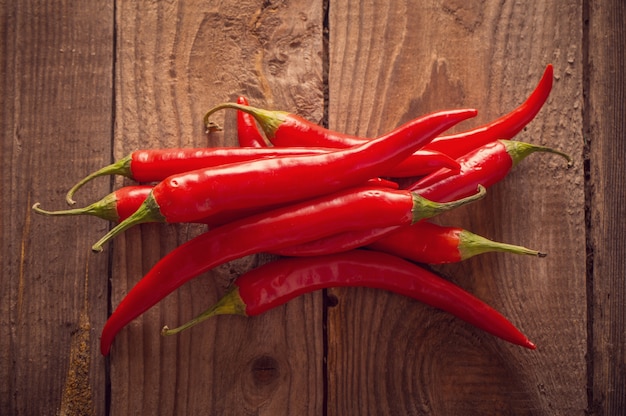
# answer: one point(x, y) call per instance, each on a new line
point(606, 128)
point(387, 355)
point(56, 125)
point(176, 60)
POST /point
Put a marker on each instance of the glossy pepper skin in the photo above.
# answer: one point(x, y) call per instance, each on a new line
point(422, 242)
point(289, 130)
point(197, 194)
point(454, 146)
point(123, 202)
point(420, 163)
point(343, 211)
point(154, 165)
point(248, 133)
point(505, 127)
point(115, 207)
point(278, 282)
point(425, 242)
point(484, 166)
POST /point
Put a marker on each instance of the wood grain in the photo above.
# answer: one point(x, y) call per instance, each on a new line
point(387, 355)
point(56, 125)
point(86, 82)
point(174, 62)
point(606, 211)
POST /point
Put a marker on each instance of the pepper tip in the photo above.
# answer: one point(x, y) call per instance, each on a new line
point(104, 350)
point(530, 345)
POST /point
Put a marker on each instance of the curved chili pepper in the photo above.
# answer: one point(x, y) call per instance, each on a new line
point(247, 131)
point(197, 194)
point(122, 203)
point(426, 242)
point(485, 166)
point(422, 242)
point(505, 127)
point(420, 163)
point(455, 146)
point(310, 220)
point(153, 165)
point(287, 130)
point(116, 206)
point(278, 282)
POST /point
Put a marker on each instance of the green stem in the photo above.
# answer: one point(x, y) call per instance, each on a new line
point(230, 304)
point(268, 120)
point(104, 208)
point(121, 167)
point(148, 211)
point(471, 244)
point(425, 208)
point(520, 150)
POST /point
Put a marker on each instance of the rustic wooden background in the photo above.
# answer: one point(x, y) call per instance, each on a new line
point(86, 82)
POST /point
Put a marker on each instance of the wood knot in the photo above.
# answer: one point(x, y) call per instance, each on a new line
point(331, 300)
point(265, 370)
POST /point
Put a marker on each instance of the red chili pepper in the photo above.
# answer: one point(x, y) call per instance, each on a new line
point(122, 203)
point(505, 127)
point(197, 194)
point(116, 206)
point(422, 242)
point(486, 165)
point(310, 220)
point(455, 146)
point(425, 242)
point(420, 163)
point(247, 131)
point(154, 165)
point(278, 282)
point(483, 166)
point(290, 130)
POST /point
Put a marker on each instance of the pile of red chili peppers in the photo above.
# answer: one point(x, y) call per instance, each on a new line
point(353, 225)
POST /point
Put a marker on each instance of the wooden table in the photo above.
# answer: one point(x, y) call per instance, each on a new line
point(84, 83)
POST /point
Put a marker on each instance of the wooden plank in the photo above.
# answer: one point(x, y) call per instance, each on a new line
point(175, 60)
point(56, 124)
point(391, 61)
point(605, 129)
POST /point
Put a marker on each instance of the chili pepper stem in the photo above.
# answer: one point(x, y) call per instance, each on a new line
point(425, 208)
point(269, 120)
point(471, 244)
point(121, 167)
point(520, 150)
point(148, 211)
point(104, 208)
point(229, 304)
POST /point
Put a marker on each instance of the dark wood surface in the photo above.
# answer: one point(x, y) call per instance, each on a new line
point(605, 128)
point(85, 83)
